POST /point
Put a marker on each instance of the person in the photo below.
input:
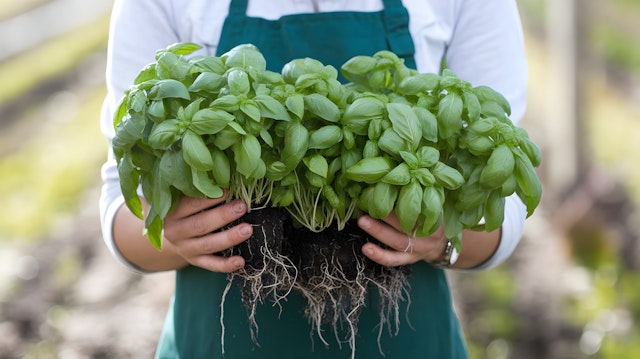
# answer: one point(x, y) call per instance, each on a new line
point(481, 41)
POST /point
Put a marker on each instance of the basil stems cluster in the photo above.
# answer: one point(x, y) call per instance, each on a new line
point(430, 147)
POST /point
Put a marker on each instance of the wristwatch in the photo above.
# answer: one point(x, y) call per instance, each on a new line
point(448, 258)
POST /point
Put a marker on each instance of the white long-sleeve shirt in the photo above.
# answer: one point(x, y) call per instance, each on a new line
point(481, 41)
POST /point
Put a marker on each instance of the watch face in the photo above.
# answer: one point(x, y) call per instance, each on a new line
point(454, 256)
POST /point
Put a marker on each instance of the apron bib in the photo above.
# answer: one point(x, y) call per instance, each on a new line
point(330, 37)
point(193, 326)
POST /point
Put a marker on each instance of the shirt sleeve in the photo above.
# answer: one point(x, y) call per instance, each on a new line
point(138, 28)
point(487, 48)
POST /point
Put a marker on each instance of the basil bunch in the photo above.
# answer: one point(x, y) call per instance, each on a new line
point(433, 148)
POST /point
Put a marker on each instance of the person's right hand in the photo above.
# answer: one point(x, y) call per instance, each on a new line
point(197, 231)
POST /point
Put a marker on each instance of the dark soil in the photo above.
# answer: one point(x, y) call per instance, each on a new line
point(327, 268)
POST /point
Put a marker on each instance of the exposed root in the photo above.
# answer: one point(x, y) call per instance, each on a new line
point(329, 271)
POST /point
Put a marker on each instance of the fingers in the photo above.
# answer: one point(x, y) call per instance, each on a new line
point(403, 249)
point(181, 224)
point(194, 232)
point(190, 205)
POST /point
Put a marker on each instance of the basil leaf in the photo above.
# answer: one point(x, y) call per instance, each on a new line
point(129, 183)
point(203, 182)
point(209, 121)
point(325, 137)
point(385, 196)
point(249, 108)
point(409, 206)
point(398, 176)
point(296, 141)
point(207, 82)
point(238, 82)
point(318, 165)
point(245, 56)
point(169, 88)
point(449, 115)
point(271, 108)
point(247, 155)
point(164, 134)
point(195, 152)
point(322, 107)
point(428, 123)
point(221, 168)
point(295, 104)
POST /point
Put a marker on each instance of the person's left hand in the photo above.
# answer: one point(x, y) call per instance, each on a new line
point(403, 249)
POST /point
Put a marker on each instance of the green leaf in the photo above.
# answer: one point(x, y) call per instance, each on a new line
point(370, 170)
point(424, 176)
point(357, 68)
point(487, 94)
point(360, 112)
point(295, 104)
point(171, 66)
point(322, 107)
point(175, 171)
point(409, 206)
point(452, 226)
point(164, 134)
point(271, 108)
point(209, 121)
point(208, 64)
point(229, 136)
point(499, 167)
point(229, 103)
point(156, 111)
point(392, 143)
point(221, 168)
point(247, 155)
point(238, 82)
point(249, 108)
point(472, 106)
point(204, 183)
point(325, 137)
point(195, 152)
point(183, 48)
point(494, 211)
point(448, 177)
point(432, 202)
point(405, 123)
point(385, 196)
point(153, 228)
point(449, 115)
point(207, 82)
point(129, 183)
point(161, 198)
point(428, 123)
point(427, 156)
point(398, 176)
point(244, 56)
point(318, 165)
point(419, 83)
point(169, 88)
point(296, 141)
point(410, 159)
point(266, 137)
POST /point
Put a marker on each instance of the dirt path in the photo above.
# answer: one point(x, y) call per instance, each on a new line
point(71, 299)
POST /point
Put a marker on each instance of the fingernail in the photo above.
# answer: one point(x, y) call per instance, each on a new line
point(239, 207)
point(246, 229)
point(364, 222)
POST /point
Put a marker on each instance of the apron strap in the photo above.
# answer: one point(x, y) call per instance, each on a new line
point(238, 7)
point(396, 21)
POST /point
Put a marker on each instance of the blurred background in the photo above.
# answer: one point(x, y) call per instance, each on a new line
point(571, 290)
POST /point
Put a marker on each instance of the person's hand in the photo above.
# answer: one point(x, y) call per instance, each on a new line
point(403, 249)
point(196, 231)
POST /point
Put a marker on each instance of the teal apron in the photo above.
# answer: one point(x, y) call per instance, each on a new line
point(193, 327)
